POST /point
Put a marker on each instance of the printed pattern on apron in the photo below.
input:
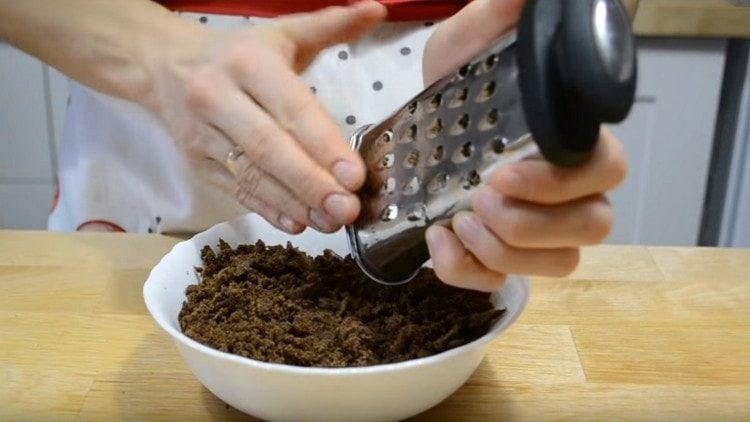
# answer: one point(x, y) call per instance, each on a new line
point(119, 167)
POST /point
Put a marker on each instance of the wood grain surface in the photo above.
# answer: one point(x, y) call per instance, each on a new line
point(634, 333)
point(691, 18)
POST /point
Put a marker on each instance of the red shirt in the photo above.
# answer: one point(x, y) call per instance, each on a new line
point(398, 10)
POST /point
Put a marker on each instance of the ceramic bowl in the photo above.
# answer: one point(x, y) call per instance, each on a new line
point(284, 392)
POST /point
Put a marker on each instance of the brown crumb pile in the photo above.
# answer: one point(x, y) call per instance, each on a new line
point(278, 304)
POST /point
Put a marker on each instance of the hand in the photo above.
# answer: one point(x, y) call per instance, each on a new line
point(531, 217)
point(220, 92)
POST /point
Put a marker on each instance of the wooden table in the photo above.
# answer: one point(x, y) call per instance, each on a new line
point(636, 332)
point(691, 18)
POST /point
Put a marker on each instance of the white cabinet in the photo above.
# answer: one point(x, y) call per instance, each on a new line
point(668, 138)
point(26, 142)
point(734, 227)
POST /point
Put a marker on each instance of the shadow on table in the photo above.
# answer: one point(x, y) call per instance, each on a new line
point(143, 389)
point(481, 398)
point(222, 411)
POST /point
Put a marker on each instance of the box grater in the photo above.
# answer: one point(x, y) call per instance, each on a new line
point(543, 88)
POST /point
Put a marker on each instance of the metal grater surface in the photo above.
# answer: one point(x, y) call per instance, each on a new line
point(571, 68)
point(426, 159)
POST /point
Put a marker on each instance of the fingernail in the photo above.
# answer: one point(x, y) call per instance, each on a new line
point(467, 227)
point(435, 240)
point(487, 202)
point(289, 225)
point(346, 173)
point(508, 181)
point(343, 208)
point(319, 222)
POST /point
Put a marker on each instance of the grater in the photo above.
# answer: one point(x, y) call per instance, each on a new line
point(543, 88)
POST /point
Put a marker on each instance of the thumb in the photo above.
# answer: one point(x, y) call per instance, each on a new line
point(466, 34)
point(312, 32)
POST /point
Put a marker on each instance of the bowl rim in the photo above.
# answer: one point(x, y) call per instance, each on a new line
point(499, 326)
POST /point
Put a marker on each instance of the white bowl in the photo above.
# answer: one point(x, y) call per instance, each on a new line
point(285, 392)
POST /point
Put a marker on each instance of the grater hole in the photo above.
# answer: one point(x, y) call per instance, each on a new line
point(470, 180)
point(416, 213)
point(435, 128)
point(490, 61)
point(438, 183)
point(411, 187)
point(463, 71)
point(463, 153)
point(490, 120)
point(412, 159)
point(410, 134)
point(436, 156)
point(492, 117)
point(486, 92)
point(412, 108)
point(387, 161)
point(461, 125)
point(389, 213)
point(386, 137)
point(459, 98)
point(388, 186)
point(435, 101)
point(498, 145)
point(494, 147)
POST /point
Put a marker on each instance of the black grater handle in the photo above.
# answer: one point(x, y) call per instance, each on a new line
point(577, 70)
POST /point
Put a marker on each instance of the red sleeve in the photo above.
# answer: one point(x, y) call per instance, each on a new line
point(398, 10)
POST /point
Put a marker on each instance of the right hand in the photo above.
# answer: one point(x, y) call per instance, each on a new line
point(239, 90)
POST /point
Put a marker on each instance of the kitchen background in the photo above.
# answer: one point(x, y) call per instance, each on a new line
point(687, 138)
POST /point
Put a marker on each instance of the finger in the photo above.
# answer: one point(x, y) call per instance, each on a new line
point(253, 189)
point(498, 256)
point(272, 149)
point(312, 32)
point(473, 28)
point(278, 197)
point(284, 96)
point(585, 221)
point(218, 175)
point(253, 182)
point(454, 265)
point(542, 182)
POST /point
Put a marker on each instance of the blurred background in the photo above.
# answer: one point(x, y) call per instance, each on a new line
point(687, 138)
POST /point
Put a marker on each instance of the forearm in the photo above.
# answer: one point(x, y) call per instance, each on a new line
point(114, 46)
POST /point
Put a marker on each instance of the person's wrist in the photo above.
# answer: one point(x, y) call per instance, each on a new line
point(169, 60)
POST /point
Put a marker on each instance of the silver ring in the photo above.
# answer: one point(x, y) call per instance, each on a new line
point(232, 157)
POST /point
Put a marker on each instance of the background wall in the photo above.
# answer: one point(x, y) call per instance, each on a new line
point(32, 108)
point(667, 138)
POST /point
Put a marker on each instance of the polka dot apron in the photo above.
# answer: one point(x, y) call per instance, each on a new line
point(118, 168)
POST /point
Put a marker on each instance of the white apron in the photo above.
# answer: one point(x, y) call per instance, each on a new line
point(119, 167)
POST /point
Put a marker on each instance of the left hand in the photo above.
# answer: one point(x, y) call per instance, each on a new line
point(532, 216)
